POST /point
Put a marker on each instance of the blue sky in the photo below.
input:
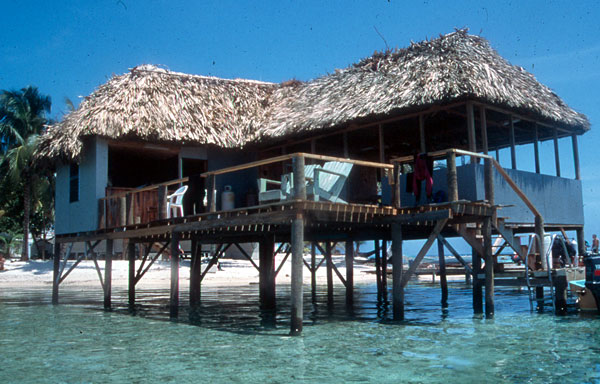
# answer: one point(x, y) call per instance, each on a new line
point(68, 48)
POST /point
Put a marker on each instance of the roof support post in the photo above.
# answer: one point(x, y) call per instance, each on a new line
point(345, 141)
point(513, 153)
point(452, 176)
point(471, 130)
point(313, 146)
point(422, 133)
point(483, 122)
point(556, 155)
point(299, 178)
point(381, 150)
point(536, 149)
point(576, 157)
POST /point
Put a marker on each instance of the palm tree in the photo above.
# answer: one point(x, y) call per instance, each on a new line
point(22, 118)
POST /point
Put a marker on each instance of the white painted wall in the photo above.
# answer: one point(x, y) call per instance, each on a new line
point(82, 215)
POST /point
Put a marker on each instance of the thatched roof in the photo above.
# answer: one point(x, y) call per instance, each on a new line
point(452, 67)
point(153, 104)
point(157, 105)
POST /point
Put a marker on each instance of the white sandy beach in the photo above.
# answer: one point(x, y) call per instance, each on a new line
point(37, 273)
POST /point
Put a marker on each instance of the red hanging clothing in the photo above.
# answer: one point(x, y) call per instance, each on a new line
point(421, 173)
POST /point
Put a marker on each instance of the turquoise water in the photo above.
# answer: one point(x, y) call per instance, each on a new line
point(230, 341)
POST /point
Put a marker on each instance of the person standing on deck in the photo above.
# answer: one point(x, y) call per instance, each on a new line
point(595, 244)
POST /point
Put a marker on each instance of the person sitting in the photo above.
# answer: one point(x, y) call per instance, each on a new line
point(595, 244)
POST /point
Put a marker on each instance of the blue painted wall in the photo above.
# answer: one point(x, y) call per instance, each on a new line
point(82, 215)
point(559, 200)
point(241, 182)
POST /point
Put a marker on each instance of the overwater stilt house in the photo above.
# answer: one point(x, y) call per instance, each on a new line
point(328, 160)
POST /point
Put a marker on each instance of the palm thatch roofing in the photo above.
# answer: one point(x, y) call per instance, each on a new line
point(157, 105)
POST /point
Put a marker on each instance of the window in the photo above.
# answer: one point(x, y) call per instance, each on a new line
point(74, 183)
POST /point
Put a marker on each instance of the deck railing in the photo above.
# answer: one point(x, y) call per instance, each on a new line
point(126, 206)
point(147, 204)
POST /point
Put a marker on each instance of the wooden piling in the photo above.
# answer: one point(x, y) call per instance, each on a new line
point(539, 231)
point(349, 256)
point(580, 243)
point(195, 272)
point(266, 265)
point(329, 266)
point(313, 271)
point(560, 294)
point(397, 288)
point(443, 279)
point(384, 262)
point(108, 256)
point(477, 286)
point(297, 243)
point(452, 177)
point(131, 259)
point(489, 267)
point(56, 271)
point(378, 268)
point(174, 302)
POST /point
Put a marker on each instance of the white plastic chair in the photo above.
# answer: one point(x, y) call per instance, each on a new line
point(175, 202)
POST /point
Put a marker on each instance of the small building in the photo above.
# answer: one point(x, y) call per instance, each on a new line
point(152, 130)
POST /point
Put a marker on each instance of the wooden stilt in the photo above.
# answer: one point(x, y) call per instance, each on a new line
point(489, 267)
point(313, 271)
point(297, 243)
point(174, 302)
point(131, 259)
point(477, 286)
point(195, 271)
point(55, 274)
point(576, 157)
point(443, 280)
point(349, 256)
point(580, 243)
point(378, 268)
point(266, 273)
point(384, 260)
point(539, 296)
point(397, 288)
point(560, 292)
point(452, 178)
point(108, 256)
point(329, 265)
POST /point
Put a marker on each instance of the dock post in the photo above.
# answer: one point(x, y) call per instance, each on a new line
point(266, 273)
point(56, 271)
point(297, 245)
point(378, 268)
point(313, 271)
point(297, 265)
point(384, 259)
point(131, 259)
point(489, 267)
point(397, 264)
point(349, 256)
point(477, 287)
point(329, 265)
point(443, 279)
point(539, 230)
point(174, 302)
point(539, 298)
point(108, 256)
point(560, 292)
point(580, 243)
point(195, 271)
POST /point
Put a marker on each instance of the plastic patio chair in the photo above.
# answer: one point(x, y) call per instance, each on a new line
point(175, 202)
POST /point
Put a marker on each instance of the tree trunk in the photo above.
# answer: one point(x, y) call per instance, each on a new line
point(26, 208)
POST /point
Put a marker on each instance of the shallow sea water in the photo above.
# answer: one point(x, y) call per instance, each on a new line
point(228, 340)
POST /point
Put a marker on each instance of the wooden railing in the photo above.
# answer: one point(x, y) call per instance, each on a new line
point(298, 164)
point(134, 206)
point(489, 164)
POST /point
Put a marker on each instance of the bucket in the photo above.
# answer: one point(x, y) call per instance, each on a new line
point(227, 199)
